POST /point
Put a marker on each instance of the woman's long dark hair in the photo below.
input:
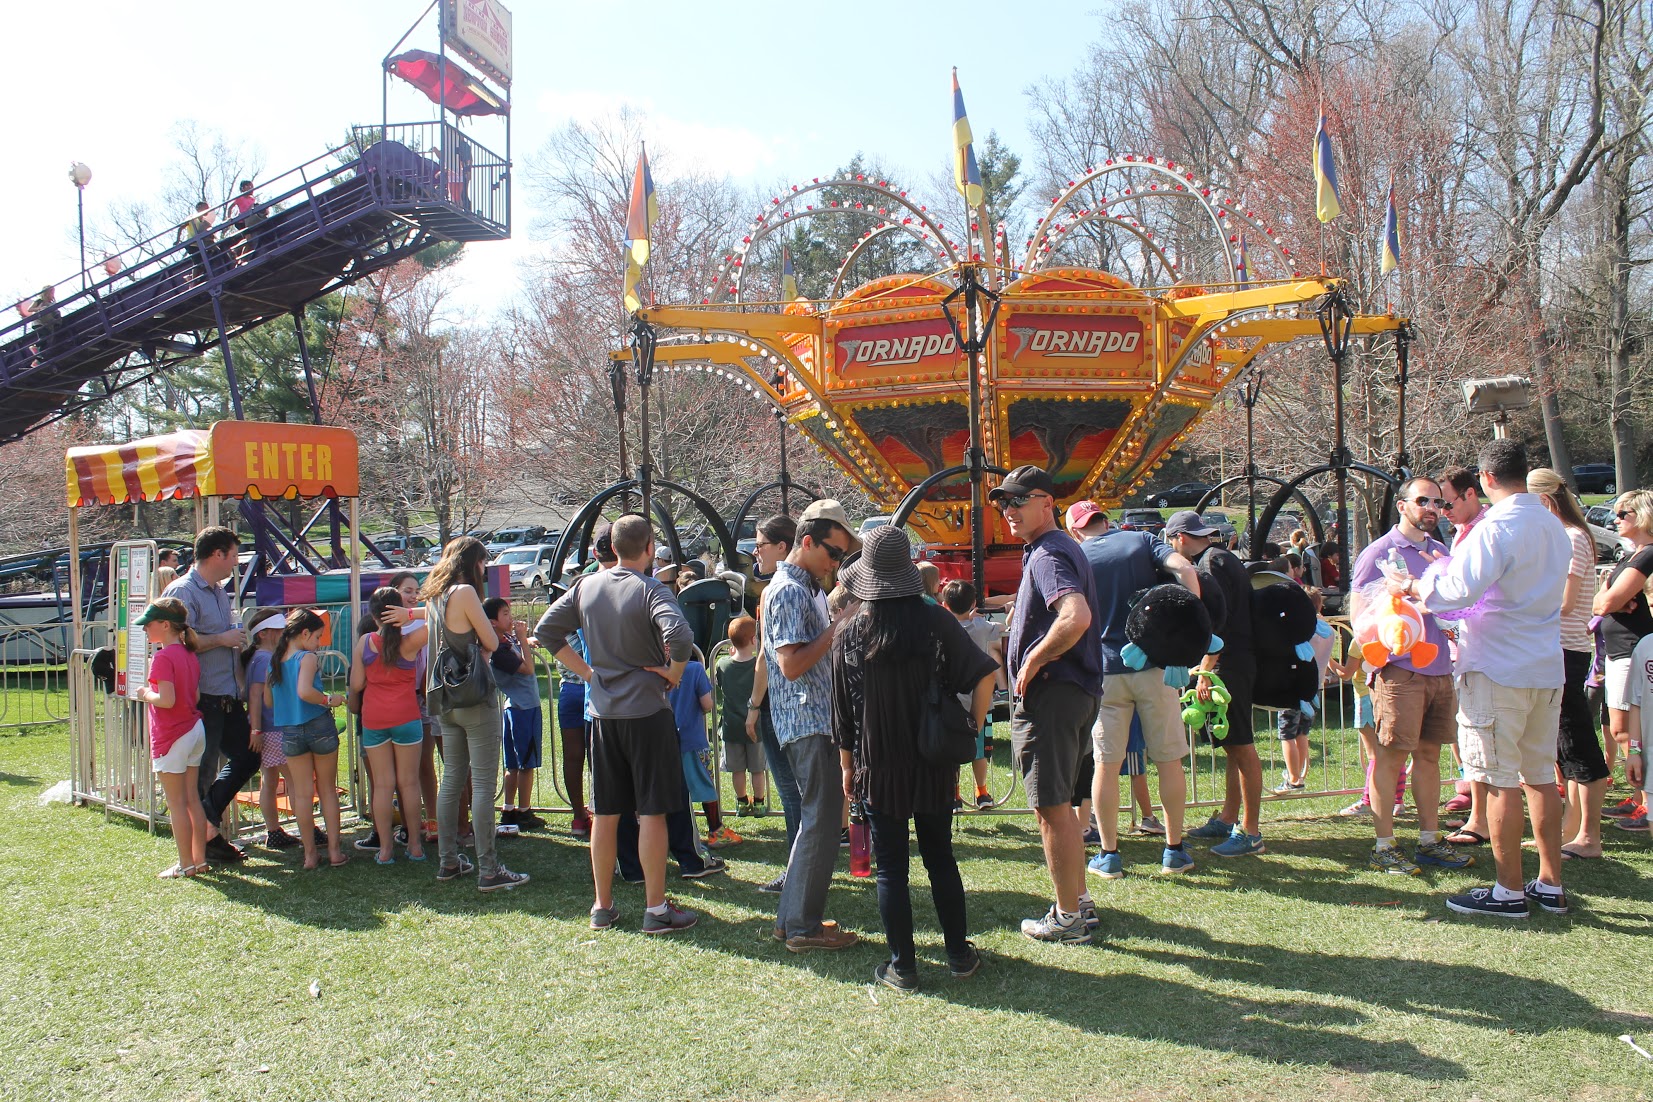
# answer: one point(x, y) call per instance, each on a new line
point(297, 624)
point(897, 628)
point(390, 636)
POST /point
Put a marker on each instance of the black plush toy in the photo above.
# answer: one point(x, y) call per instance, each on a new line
point(1283, 622)
point(1168, 627)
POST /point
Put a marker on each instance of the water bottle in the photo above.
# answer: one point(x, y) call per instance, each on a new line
point(860, 842)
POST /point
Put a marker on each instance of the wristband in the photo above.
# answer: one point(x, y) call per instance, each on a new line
point(1635, 747)
point(750, 704)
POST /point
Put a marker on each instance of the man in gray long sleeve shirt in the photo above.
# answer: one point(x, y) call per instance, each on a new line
point(637, 643)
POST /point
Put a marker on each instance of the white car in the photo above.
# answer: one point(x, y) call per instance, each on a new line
point(532, 570)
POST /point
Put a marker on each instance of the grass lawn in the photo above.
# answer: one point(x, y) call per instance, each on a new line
point(1285, 977)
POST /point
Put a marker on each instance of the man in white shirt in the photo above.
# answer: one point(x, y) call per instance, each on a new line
point(1510, 572)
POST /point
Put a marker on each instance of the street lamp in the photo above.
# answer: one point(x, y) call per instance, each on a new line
point(1498, 396)
point(81, 175)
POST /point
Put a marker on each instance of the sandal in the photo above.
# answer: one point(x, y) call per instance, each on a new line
point(1467, 838)
point(343, 859)
point(377, 860)
point(1570, 855)
point(176, 872)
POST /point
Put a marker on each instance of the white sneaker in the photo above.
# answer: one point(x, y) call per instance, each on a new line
point(1360, 809)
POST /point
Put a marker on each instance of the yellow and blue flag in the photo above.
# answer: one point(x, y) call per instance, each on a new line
point(966, 173)
point(1391, 236)
point(641, 216)
point(1326, 205)
point(789, 280)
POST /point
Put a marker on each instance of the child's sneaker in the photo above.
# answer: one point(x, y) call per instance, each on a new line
point(1150, 825)
point(1391, 859)
point(1360, 809)
point(1214, 828)
point(1634, 822)
point(581, 827)
point(1626, 808)
point(985, 801)
point(279, 839)
point(745, 810)
point(760, 807)
point(1239, 844)
point(1442, 854)
point(722, 837)
point(1174, 861)
point(1109, 866)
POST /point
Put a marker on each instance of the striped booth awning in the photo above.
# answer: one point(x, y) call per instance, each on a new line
point(258, 459)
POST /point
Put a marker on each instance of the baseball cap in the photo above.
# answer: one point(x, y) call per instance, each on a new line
point(1023, 480)
point(1188, 523)
point(827, 508)
point(1080, 514)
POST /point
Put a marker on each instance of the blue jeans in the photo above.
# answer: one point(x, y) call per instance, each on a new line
point(815, 764)
point(786, 785)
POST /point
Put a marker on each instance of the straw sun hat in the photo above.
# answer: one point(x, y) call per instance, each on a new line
point(885, 568)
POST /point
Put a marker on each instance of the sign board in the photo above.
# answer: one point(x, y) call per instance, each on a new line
point(1074, 344)
point(480, 32)
point(131, 588)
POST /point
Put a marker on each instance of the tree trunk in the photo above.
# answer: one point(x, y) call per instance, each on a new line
point(1549, 405)
point(1615, 180)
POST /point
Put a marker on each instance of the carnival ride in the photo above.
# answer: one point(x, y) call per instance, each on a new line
point(1092, 375)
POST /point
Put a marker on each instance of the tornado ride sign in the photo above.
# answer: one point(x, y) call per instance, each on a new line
point(131, 588)
point(480, 32)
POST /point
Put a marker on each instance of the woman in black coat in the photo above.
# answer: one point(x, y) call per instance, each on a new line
point(882, 660)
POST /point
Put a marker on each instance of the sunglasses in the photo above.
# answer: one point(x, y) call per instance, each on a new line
point(1017, 501)
point(1425, 502)
point(1622, 513)
point(836, 554)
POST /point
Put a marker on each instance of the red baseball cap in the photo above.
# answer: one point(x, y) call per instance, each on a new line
point(1080, 514)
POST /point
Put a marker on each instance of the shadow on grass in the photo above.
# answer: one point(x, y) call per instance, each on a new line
point(19, 780)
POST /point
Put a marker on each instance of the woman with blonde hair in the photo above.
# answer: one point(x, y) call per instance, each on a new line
point(471, 735)
point(1578, 748)
point(1626, 618)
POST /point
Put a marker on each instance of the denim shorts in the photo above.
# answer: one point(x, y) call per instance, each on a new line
point(411, 733)
point(315, 736)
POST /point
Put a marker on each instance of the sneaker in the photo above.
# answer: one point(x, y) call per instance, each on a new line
point(710, 866)
point(279, 839)
point(321, 837)
point(401, 836)
point(1088, 915)
point(1479, 901)
point(1391, 859)
point(1239, 844)
point(1175, 860)
point(1458, 803)
point(1554, 901)
point(454, 872)
point(985, 802)
point(1635, 822)
point(958, 805)
point(671, 922)
point(843, 838)
point(370, 841)
point(1442, 854)
point(829, 937)
point(581, 827)
point(888, 975)
point(1150, 825)
point(1092, 837)
point(604, 918)
point(1286, 786)
point(1109, 866)
point(774, 886)
point(1626, 808)
point(962, 968)
point(1213, 828)
point(760, 807)
point(1400, 809)
point(721, 837)
point(745, 810)
point(503, 879)
point(527, 820)
point(509, 817)
point(223, 851)
point(1360, 809)
point(1048, 928)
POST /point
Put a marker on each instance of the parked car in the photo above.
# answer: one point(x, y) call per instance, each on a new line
point(532, 570)
point(1183, 493)
point(516, 537)
point(404, 550)
point(1224, 526)
point(1601, 516)
point(1610, 546)
point(875, 522)
point(1596, 478)
point(1142, 520)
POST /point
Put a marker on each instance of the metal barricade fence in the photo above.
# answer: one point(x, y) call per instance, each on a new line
point(34, 674)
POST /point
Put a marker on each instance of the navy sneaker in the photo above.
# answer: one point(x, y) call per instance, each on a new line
point(1480, 901)
point(1214, 829)
point(1442, 854)
point(1551, 899)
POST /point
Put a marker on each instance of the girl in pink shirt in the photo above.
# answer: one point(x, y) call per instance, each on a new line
point(177, 738)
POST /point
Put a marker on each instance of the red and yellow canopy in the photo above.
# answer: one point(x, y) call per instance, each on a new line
point(257, 459)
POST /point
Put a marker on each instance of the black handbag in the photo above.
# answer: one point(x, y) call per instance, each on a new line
point(947, 736)
point(459, 677)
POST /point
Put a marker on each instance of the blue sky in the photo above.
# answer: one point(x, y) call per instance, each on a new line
point(768, 92)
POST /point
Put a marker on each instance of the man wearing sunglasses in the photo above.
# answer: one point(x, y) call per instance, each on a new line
point(1509, 573)
point(797, 639)
point(1055, 652)
point(1415, 706)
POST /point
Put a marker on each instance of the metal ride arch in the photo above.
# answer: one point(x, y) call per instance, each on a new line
point(1215, 493)
point(1287, 490)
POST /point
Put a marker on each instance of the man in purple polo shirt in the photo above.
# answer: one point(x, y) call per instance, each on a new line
point(1055, 654)
point(1415, 706)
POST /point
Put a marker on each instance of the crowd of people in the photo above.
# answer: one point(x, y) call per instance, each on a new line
point(835, 691)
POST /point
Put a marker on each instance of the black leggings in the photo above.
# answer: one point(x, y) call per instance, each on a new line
point(1577, 746)
point(895, 904)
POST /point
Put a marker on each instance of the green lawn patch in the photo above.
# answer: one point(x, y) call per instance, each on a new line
point(1292, 976)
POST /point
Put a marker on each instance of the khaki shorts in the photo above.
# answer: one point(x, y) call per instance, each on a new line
point(1411, 707)
point(1506, 736)
point(1143, 693)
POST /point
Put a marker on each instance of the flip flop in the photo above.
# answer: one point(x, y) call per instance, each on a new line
point(344, 859)
point(377, 860)
point(1571, 856)
point(1467, 838)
